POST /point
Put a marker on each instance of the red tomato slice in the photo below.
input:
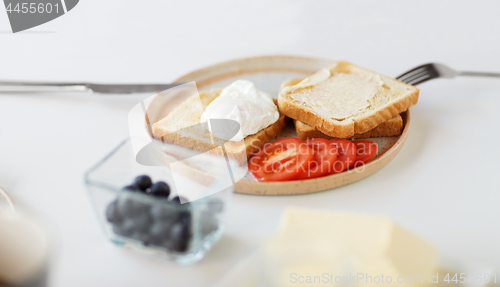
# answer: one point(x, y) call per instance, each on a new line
point(365, 150)
point(325, 154)
point(283, 159)
point(346, 155)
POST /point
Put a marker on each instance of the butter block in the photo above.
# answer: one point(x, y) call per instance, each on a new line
point(325, 248)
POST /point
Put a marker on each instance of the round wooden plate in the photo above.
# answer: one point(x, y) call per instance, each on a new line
point(268, 72)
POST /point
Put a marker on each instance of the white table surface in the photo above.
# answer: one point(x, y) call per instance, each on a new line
point(444, 185)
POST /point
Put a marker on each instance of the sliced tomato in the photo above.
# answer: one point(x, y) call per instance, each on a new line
point(346, 155)
point(365, 150)
point(325, 154)
point(283, 159)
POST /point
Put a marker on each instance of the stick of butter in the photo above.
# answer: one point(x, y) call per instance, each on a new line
point(325, 248)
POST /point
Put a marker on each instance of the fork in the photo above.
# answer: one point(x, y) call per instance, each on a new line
point(431, 71)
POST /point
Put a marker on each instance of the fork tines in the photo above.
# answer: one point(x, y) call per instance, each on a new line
point(419, 74)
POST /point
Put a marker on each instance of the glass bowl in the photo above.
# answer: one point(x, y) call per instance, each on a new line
point(181, 226)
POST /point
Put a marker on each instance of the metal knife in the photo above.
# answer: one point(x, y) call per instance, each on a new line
point(34, 87)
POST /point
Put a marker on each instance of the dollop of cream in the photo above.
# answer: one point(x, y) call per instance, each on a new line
point(242, 102)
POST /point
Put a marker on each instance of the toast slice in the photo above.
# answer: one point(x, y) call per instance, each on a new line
point(392, 127)
point(182, 127)
point(344, 99)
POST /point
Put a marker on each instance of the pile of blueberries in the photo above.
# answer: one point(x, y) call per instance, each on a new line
point(160, 222)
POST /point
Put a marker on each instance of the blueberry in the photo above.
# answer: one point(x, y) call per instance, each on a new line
point(160, 189)
point(118, 229)
point(126, 228)
point(112, 214)
point(130, 207)
point(178, 238)
point(159, 232)
point(142, 223)
point(143, 182)
point(185, 217)
point(134, 227)
point(178, 200)
point(145, 238)
point(162, 212)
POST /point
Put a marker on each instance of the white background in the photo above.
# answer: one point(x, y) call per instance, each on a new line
point(444, 185)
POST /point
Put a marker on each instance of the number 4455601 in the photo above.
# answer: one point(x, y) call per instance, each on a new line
point(469, 278)
point(33, 8)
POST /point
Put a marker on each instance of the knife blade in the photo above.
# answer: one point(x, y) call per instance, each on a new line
point(40, 87)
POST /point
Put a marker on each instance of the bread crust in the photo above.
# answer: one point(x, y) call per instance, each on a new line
point(352, 125)
point(392, 127)
point(368, 122)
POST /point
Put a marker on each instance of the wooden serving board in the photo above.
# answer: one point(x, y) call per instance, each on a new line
point(268, 72)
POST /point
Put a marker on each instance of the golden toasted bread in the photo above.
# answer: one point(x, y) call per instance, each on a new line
point(343, 100)
point(182, 127)
point(392, 127)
